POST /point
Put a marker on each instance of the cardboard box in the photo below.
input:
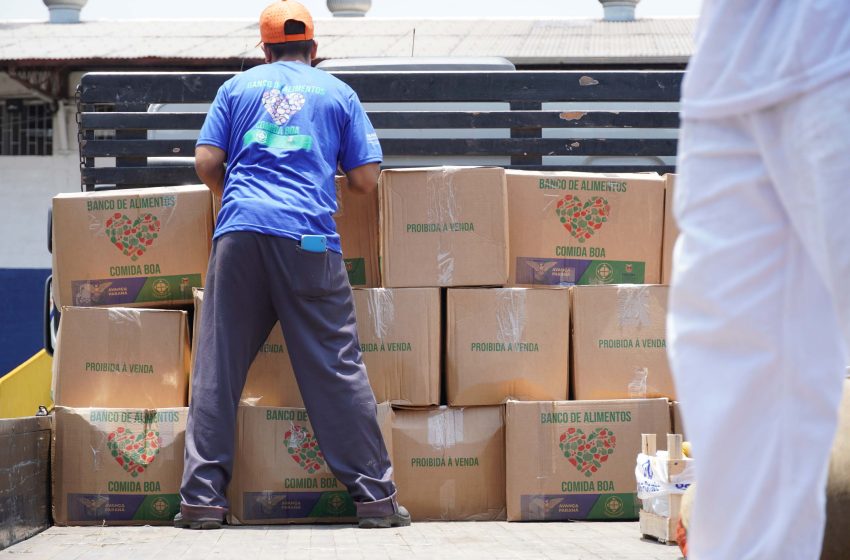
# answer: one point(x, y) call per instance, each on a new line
point(280, 475)
point(507, 343)
point(357, 224)
point(443, 226)
point(24, 477)
point(271, 379)
point(619, 342)
point(121, 358)
point(450, 463)
point(133, 248)
point(671, 230)
point(117, 466)
point(584, 228)
point(576, 460)
point(399, 331)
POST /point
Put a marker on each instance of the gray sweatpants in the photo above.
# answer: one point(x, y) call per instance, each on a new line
point(253, 281)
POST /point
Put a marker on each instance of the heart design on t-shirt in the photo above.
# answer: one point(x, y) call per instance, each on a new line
point(134, 452)
point(582, 220)
point(132, 237)
point(282, 106)
point(304, 449)
point(587, 452)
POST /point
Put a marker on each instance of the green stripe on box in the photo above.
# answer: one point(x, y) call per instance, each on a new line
point(169, 288)
point(334, 504)
point(158, 507)
point(613, 272)
point(615, 506)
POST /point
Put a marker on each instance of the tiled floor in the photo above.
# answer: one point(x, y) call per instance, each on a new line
point(435, 541)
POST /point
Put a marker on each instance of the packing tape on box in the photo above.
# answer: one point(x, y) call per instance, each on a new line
point(511, 314)
point(381, 311)
point(445, 428)
point(124, 335)
point(168, 432)
point(551, 200)
point(97, 449)
point(638, 384)
point(448, 498)
point(340, 206)
point(442, 209)
point(124, 315)
point(547, 462)
point(633, 309)
point(446, 266)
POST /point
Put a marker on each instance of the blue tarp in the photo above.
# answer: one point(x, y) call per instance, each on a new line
point(21, 315)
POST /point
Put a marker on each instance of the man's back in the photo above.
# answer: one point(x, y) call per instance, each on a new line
point(284, 126)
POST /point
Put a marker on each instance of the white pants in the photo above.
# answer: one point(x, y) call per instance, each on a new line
point(759, 320)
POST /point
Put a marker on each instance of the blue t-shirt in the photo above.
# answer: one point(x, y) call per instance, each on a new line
point(284, 127)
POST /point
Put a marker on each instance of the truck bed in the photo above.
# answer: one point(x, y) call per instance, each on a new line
point(467, 541)
point(477, 115)
point(25, 512)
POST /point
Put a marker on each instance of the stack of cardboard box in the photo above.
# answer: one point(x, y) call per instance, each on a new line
point(602, 234)
point(120, 374)
point(510, 326)
point(442, 230)
point(513, 394)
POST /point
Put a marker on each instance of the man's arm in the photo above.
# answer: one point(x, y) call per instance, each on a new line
point(209, 165)
point(363, 179)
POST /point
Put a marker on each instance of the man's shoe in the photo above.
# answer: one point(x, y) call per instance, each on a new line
point(400, 518)
point(202, 523)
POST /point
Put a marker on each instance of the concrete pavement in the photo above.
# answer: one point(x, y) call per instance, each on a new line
point(435, 541)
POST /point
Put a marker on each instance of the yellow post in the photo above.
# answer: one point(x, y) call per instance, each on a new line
point(26, 387)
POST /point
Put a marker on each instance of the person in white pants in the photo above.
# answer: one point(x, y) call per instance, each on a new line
point(759, 322)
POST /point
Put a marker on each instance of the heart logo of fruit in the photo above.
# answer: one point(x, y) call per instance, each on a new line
point(282, 106)
point(132, 237)
point(134, 452)
point(582, 220)
point(587, 452)
point(304, 449)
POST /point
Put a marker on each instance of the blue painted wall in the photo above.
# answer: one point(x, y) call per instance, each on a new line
point(21, 311)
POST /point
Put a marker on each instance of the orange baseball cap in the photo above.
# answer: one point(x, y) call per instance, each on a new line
point(277, 14)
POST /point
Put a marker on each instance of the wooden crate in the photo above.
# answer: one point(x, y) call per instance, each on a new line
point(652, 525)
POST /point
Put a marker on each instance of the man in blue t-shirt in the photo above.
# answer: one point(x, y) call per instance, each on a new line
point(270, 146)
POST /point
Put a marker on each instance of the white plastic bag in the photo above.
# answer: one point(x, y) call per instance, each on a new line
point(655, 484)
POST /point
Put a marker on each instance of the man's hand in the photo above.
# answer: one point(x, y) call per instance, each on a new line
point(209, 165)
point(363, 179)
